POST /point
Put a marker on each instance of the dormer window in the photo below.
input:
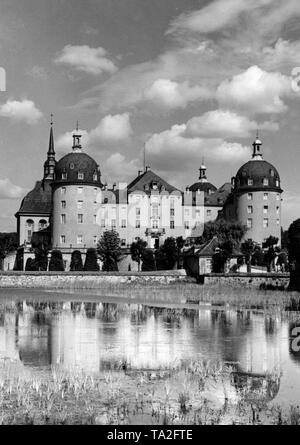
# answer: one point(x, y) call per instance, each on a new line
point(266, 182)
point(80, 175)
point(64, 175)
point(250, 181)
point(95, 176)
point(272, 173)
point(72, 166)
point(154, 185)
point(277, 183)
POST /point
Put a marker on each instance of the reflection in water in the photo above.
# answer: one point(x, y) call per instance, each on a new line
point(96, 336)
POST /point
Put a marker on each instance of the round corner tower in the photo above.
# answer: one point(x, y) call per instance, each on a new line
point(257, 195)
point(75, 188)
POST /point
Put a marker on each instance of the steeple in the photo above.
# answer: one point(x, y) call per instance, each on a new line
point(49, 165)
point(77, 139)
point(202, 169)
point(257, 149)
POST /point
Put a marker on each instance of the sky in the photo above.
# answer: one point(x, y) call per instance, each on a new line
point(190, 80)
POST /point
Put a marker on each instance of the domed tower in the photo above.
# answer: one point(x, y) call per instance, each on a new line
point(257, 197)
point(75, 189)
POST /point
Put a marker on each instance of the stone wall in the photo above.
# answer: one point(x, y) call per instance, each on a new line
point(87, 280)
point(267, 280)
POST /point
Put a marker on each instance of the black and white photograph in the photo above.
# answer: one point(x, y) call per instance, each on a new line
point(149, 215)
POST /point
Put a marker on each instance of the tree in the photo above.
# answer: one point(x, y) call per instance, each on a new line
point(56, 261)
point(137, 249)
point(180, 244)
point(31, 265)
point(270, 256)
point(294, 255)
point(91, 261)
point(167, 255)
point(248, 249)
point(76, 261)
point(8, 243)
point(224, 231)
point(148, 261)
point(109, 250)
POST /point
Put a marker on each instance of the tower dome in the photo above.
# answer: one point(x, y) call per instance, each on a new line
point(77, 167)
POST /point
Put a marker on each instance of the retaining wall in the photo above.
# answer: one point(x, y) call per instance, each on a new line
point(248, 280)
point(87, 280)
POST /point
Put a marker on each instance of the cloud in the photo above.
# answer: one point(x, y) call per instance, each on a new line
point(168, 94)
point(172, 150)
point(37, 72)
point(110, 130)
point(8, 190)
point(255, 91)
point(21, 111)
point(117, 167)
point(87, 59)
point(225, 124)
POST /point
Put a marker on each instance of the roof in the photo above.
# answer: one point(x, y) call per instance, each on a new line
point(218, 198)
point(257, 170)
point(38, 200)
point(74, 163)
point(203, 187)
point(145, 182)
point(209, 248)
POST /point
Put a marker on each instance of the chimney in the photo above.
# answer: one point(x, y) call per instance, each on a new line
point(140, 172)
point(147, 168)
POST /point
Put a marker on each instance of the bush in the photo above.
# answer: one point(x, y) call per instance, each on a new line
point(31, 265)
point(148, 261)
point(76, 261)
point(56, 262)
point(91, 263)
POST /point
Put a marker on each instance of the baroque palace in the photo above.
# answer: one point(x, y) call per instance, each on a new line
point(72, 207)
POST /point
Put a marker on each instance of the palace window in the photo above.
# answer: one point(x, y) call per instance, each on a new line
point(266, 223)
point(95, 239)
point(63, 219)
point(154, 224)
point(266, 209)
point(29, 229)
point(103, 223)
point(250, 210)
point(137, 224)
point(278, 197)
point(80, 190)
point(62, 239)
point(172, 224)
point(42, 224)
point(277, 210)
point(172, 212)
point(250, 196)
point(79, 239)
point(266, 196)
point(249, 223)
point(79, 205)
point(138, 211)
point(80, 218)
point(63, 190)
point(186, 225)
point(124, 224)
point(113, 223)
point(63, 204)
point(95, 219)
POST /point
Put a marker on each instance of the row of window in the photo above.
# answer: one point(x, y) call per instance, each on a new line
point(266, 210)
point(265, 182)
point(80, 218)
point(265, 223)
point(63, 240)
point(266, 196)
point(63, 190)
point(80, 176)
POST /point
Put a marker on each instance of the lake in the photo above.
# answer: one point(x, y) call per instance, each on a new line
point(171, 345)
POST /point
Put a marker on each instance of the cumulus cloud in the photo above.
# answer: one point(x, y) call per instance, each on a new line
point(168, 94)
point(116, 167)
point(225, 124)
point(172, 149)
point(21, 111)
point(255, 91)
point(8, 190)
point(84, 58)
point(110, 130)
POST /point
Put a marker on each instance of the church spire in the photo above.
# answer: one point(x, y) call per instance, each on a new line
point(49, 165)
point(257, 148)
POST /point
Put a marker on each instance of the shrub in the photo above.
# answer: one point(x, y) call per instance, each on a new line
point(56, 262)
point(76, 261)
point(91, 263)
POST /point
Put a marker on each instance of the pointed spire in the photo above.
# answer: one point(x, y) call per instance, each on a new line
point(49, 165)
point(51, 140)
